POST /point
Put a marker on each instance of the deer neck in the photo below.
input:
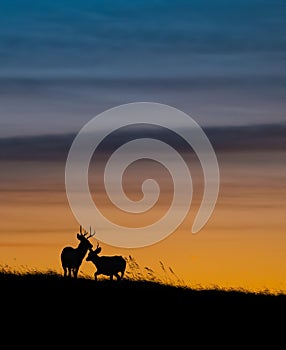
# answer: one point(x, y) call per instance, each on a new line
point(81, 250)
point(95, 258)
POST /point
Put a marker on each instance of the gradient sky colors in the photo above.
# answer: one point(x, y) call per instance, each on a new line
point(63, 62)
point(222, 62)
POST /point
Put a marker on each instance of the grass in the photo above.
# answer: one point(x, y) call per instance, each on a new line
point(135, 277)
point(135, 272)
point(144, 305)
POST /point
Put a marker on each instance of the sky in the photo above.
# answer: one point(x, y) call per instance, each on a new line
point(61, 63)
point(222, 62)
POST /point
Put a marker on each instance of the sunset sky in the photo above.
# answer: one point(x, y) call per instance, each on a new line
point(222, 62)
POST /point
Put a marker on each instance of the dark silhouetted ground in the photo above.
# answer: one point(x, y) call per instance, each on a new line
point(47, 305)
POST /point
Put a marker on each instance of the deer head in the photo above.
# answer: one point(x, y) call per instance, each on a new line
point(82, 236)
point(98, 249)
point(93, 254)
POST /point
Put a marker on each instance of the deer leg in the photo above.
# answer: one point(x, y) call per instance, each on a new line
point(65, 271)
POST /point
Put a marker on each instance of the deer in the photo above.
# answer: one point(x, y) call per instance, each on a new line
point(113, 265)
point(72, 258)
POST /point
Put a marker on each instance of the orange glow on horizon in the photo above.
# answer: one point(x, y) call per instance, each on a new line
point(242, 245)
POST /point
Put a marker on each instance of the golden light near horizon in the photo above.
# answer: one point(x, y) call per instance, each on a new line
point(242, 245)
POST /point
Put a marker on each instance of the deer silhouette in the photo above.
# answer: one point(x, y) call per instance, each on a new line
point(114, 265)
point(71, 258)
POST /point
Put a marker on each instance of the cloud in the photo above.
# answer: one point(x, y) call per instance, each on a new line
point(227, 139)
point(130, 38)
point(63, 62)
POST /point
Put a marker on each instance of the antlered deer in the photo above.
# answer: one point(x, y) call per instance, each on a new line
point(114, 265)
point(71, 258)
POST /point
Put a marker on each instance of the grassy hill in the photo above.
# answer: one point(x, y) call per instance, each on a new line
point(49, 306)
point(50, 288)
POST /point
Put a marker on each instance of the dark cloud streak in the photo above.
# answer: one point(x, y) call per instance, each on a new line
point(227, 139)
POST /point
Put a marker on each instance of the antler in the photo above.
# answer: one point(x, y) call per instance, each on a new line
point(85, 232)
point(90, 234)
point(97, 249)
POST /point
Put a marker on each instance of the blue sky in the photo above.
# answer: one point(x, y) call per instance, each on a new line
point(62, 62)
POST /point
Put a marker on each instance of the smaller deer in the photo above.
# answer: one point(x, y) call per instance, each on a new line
point(114, 265)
